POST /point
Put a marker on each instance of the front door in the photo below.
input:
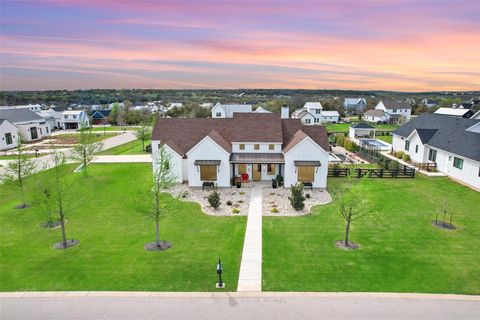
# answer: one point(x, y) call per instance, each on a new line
point(33, 133)
point(257, 172)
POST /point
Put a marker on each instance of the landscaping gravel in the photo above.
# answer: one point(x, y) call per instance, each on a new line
point(278, 198)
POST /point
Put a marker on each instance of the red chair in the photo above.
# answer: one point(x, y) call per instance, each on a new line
point(244, 177)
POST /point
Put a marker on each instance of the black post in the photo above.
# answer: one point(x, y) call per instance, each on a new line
point(219, 272)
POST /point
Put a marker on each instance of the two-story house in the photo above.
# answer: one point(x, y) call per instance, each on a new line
point(75, 119)
point(259, 146)
point(312, 113)
point(228, 110)
point(389, 111)
point(354, 105)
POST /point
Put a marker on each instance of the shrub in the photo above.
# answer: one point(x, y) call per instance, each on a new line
point(214, 199)
point(240, 201)
point(349, 145)
point(274, 210)
point(399, 154)
point(340, 139)
point(307, 196)
point(235, 211)
point(297, 199)
point(241, 193)
point(229, 203)
point(405, 157)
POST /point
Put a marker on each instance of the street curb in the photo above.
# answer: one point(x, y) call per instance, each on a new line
point(141, 294)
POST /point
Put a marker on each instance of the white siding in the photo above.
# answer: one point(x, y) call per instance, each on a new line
point(306, 150)
point(175, 161)
point(420, 156)
point(250, 147)
point(8, 127)
point(24, 130)
point(207, 149)
point(469, 174)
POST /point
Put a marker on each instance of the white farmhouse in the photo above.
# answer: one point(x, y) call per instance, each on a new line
point(8, 135)
point(389, 111)
point(248, 146)
point(75, 119)
point(464, 113)
point(312, 113)
point(452, 143)
point(30, 125)
point(227, 110)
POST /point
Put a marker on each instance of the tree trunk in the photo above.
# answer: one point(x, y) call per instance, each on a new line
point(84, 162)
point(20, 182)
point(62, 223)
point(143, 145)
point(347, 229)
point(157, 232)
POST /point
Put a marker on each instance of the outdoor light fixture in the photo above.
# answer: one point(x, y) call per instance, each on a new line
point(220, 283)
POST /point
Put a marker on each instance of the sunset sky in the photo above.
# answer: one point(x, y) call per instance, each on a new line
point(389, 45)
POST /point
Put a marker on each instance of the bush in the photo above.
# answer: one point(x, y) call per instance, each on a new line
point(214, 199)
point(297, 199)
point(235, 211)
point(274, 210)
point(349, 145)
point(307, 196)
point(399, 154)
point(229, 203)
point(405, 157)
point(340, 139)
point(240, 201)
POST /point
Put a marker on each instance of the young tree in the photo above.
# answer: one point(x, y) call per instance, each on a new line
point(150, 201)
point(58, 191)
point(18, 169)
point(143, 134)
point(86, 148)
point(353, 205)
point(214, 199)
point(297, 199)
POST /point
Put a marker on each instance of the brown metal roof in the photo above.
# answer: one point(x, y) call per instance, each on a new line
point(257, 158)
point(207, 162)
point(301, 163)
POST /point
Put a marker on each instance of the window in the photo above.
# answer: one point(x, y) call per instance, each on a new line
point(242, 146)
point(47, 129)
point(271, 169)
point(416, 148)
point(256, 146)
point(8, 138)
point(394, 110)
point(432, 155)
point(218, 114)
point(74, 117)
point(318, 111)
point(208, 173)
point(271, 147)
point(407, 145)
point(458, 163)
point(316, 120)
point(305, 173)
point(307, 121)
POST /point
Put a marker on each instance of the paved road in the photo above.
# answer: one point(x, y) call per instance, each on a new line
point(234, 306)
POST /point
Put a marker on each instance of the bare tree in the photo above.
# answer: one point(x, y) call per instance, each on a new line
point(150, 202)
point(86, 148)
point(57, 190)
point(18, 169)
point(143, 134)
point(353, 205)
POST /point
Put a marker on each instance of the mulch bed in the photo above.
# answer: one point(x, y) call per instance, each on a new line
point(152, 246)
point(50, 224)
point(444, 225)
point(351, 245)
point(70, 243)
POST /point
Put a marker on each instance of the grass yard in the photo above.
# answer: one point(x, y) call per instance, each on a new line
point(72, 138)
point(387, 139)
point(337, 127)
point(114, 128)
point(132, 147)
point(401, 251)
point(110, 255)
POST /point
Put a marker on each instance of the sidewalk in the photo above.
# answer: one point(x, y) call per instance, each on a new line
point(250, 277)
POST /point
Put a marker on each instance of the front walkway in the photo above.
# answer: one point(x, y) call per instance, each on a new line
point(250, 277)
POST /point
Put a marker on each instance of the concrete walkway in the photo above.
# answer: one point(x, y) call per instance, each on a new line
point(250, 278)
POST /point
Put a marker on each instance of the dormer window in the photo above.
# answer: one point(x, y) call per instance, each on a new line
point(218, 114)
point(318, 111)
point(256, 146)
point(242, 146)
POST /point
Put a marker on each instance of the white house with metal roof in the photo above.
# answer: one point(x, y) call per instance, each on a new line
point(312, 113)
point(8, 135)
point(75, 119)
point(355, 105)
point(30, 125)
point(227, 110)
point(389, 111)
point(451, 143)
point(464, 113)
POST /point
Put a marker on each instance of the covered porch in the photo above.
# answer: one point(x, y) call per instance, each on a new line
point(247, 167)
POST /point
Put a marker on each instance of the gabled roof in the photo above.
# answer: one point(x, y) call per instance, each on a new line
point(393, 104)
point(375, 113)
point(302, 114)
point(262, 110)
point(215, 136)
point(445, 133)
point(465, 105)
point(452, 111)
point(230, 109)
point(290, 127)
point(330, 113)
point(313, 105)
point(19, 115)
point(100, 114)
point(362, 125)
point(354, 101)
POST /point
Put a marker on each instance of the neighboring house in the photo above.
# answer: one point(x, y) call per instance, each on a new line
point(355, 105)
point(361, 130)
point(206, 105)
point(389, 111)
point(463, 113)
point(30, 125)
point(429, 103)
point(453, 143)
point(228, 110)
point(31, 107)
point(75, 119)
point(49, 118)
point(312, 113)
point(175, 105)
point(261, 110)
point(259, 146)
point(464, 105)
point(100, 116)
point(8, 135)
point(57, 116)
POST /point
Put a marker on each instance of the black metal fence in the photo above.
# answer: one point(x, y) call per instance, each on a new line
point(403, 172)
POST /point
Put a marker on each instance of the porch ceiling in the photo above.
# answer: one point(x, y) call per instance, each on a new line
point(257, 158)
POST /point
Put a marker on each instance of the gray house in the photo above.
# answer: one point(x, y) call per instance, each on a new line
point(355, 105)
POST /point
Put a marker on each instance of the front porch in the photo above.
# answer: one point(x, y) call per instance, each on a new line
point(255, 167)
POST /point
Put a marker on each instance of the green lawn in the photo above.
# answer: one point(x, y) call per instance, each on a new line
point(385, 138)
point(400, 249)
point(72, 138)
point(110, 255)
point(343, 127)
point(132, 147)
point(114, 128)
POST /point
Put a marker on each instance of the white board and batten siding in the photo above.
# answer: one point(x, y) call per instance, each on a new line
point(469, 174)
point(6, 127)
point(207, 149)
point(175, 160)
point(306, 150)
